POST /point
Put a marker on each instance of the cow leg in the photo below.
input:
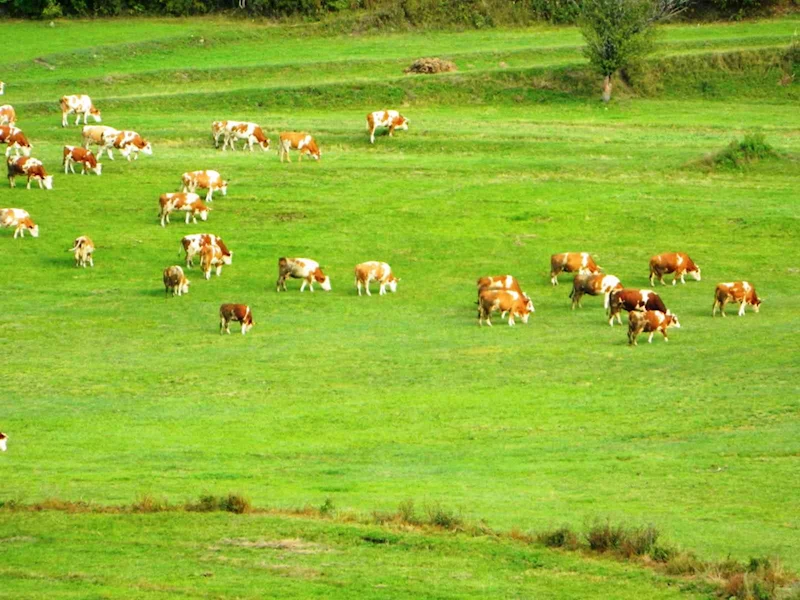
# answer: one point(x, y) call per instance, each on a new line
point(382, 290)
point(221, 323)
point(244, 328)
point(683, 280)
point(366, 287)
point(64, 119)
point(372, 135)
point(391, 130)
point(741, 308)
point(511, 319)
point(29, 182)
point(650, 337)
point(66, 166)
point(303, 286)
point(78, 119)
point(187, 219)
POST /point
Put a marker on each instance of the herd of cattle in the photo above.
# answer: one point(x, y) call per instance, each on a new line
point(502, 293)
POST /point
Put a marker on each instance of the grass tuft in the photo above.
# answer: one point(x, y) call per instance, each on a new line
point(234, 503)
point(740, 153)
point(562, 537)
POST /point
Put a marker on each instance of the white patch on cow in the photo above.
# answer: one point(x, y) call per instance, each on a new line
point(679, 260)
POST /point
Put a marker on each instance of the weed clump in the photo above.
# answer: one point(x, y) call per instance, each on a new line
point(563, 537)
point(603, 537)
point(430, 66)
point(439, 516)
point(234, 503)
point(739, 153)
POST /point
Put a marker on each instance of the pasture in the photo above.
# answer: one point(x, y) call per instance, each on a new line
point(112, 391)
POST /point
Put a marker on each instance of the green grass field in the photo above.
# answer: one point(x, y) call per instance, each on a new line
point(112, 391)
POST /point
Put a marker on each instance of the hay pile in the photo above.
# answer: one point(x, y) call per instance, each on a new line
point(429, 66)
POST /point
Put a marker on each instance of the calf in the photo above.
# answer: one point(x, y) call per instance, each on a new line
point(188, 202)
point(235, 312)
point(32, 168)
point(594, 285)
point(8, 116)
point(301, 268)
point(650, 321)
point(206, 180)
point(3, 442)
point(632, 299)
point(96, 134)
point(76, 154)
point(211, 257)
point(16, 141)
point(192, 244)
point(249, 132)
point(569, 262)
point(742, 292)
point(506, 301)
point(83, 247)
point(378, 271)
point(302, 142)
point(175, 281)
point(673, 262)
point(129, 143)
point(20, 220)
point(81, 105)
point(385, 118)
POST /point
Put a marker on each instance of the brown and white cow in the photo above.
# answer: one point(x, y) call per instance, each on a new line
point(15, 140)
point(82, 106)
point(385, 118)
point(83, 248)
point(3, 442)
point(742, 292)
point(650, 321)
point(8, 116)
point(96, 134)
point(375, 271)
point(188, 202)
point(192, 244)
point(20, 220)
point(301, 268)
point(235, 312)
point(302, 142)
point(31, 168)
point(501, 282)
point(251, 133)
point(211, 258)
point(506, 301)
point(673, 262)
point(175, 281)
point(632, 299)
point(593, 285)
point(129, 143)
point(570, 262)
point(205, 180)
point(87, 160)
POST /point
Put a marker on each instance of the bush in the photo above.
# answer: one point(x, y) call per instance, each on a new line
point(439, 516)
point(563, 537)
point(752, 148)
point(639, 541)
point(603, 537)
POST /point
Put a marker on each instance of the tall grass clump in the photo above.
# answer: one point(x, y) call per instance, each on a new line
point(234, 503)
point(561, 537)
point(739, 153)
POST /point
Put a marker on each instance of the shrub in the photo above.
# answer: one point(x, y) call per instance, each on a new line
point(445, 518)
point(563, 537)
point(639, 541)
point(603, 537)
point(752, 148)
point(327, 508)
point(407, 512)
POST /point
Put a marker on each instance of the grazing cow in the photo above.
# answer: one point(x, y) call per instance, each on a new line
point(632, 299)
point(15, 140)
point(211, 257)
point(742, 292)
point(501, 282)
point(301, 268)
point(302, 142)
point(81, 105)
point(569, 262)
point(8, 116)
point(506, 301)
point(385, 118)
point(673, 262)
point(235, 312)
point(249, 132)
point(76, 154)
point(96, 134)
point(20, 220)
point(3, 442)
point(188, 202)
point(83, 247)
point(594, 285)
point(205, 180)
point(175, 281)
point(129, 143)
point(192, 244)
point(650, 321)
point(378, 271)
point(32, 168)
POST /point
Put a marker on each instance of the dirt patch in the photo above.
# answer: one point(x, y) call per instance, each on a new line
point(430, 66)
point(293, 545)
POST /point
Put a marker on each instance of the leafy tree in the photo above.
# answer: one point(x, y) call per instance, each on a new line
point(619, 32)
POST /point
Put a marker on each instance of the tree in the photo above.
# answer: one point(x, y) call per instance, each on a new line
point(618, 32)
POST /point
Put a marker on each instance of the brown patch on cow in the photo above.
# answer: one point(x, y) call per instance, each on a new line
point(429, 66)
point(319, 276)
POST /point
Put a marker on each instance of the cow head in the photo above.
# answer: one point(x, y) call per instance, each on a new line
point(323, 280)
point(265, 144)
point(392, 283)
point(672, 320)
point(97, 169)
point(528, 303)
point(755, 301)
point(147, 148)
point(695, 273)
point(400, 122)
point(224, 187)
point(184, 286)
point(48, 182)
point(33, 229)
point(227, 258)
point(3, 442)
point(204, 213)
point(95, 114)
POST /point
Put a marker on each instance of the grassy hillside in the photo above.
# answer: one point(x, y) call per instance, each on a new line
point(112, 391)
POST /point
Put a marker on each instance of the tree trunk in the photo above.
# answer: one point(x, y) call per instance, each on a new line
point(607, 88)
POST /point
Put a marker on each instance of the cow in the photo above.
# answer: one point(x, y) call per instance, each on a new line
point(218, 131)
point(129, 143)
point(83, 247)
point(594, 285)
point(742, 292)
point(192, 244)
point(81, 105)
point(500, 282)
point(32, 168)
point(377, 271)
point(249, 132)
point(20, 220)
point(8, 116)
point(96, 134)
point(673, 262)
point(570, 262)
point(175, 281)
point(235, 312)
point(385, 118)
point(302, 142)
point(211, 258)
point(188, 202)
point(15, 140)
point(506, 301)
point(301, 268)
point(206, 180)
point(76, 154)
point(3, 441)
point(632, 299)
point(650, 321)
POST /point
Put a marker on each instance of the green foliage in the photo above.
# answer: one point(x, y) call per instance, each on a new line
point(741, 153)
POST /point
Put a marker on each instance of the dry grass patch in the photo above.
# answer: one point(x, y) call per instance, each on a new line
point(431, 66)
